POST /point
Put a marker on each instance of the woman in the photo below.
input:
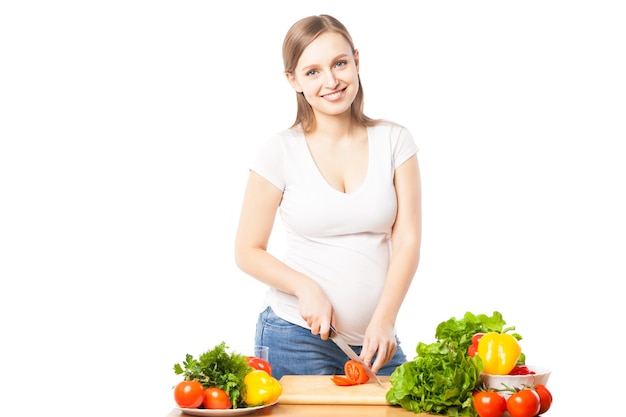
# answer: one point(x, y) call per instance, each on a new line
point(348, 191)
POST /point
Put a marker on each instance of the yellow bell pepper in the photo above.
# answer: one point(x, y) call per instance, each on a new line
point(277, 390)
point(261, 388)
point(499, 353)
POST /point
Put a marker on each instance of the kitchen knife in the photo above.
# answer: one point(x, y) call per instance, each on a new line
point(343, 345)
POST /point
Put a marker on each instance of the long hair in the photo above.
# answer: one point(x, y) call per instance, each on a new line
point(299, 36)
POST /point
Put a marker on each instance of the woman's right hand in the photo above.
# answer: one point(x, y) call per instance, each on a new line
point(315, 309)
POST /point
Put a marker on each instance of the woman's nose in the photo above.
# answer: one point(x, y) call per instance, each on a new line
point(331, 81)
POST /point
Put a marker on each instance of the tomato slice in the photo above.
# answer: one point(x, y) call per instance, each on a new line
point(354, 370)
point(342, 381)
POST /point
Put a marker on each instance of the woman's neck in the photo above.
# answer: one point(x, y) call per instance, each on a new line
point(334, 127)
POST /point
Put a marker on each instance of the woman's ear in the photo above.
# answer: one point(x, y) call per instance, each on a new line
point(292, 80)
point(356, 59)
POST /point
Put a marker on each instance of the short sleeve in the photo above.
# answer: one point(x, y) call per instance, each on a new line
point(404, 145)
point(269, 162)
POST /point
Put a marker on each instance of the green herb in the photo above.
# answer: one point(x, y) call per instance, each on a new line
point(217, 368)
point(442, 377)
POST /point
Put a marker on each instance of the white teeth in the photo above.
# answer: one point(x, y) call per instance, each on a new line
point(334, 95)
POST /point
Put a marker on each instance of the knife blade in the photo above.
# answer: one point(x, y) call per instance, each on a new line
point(343, 345)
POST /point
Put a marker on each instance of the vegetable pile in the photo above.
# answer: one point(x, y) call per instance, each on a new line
point(218, 379)
point(444, 378)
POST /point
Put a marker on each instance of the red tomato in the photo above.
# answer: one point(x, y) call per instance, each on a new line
point(354, 370)
point(342, 381)
point(471, 350)
point(216, 398)
point(476, 338)
point(489, 403)
point(189, 394)
point(260, 364)
point(545, 398)
point(524, 403)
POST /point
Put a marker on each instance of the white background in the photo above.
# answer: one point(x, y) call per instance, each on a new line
point(126, 132)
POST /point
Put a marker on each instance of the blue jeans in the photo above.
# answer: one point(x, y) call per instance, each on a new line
point(294, 350)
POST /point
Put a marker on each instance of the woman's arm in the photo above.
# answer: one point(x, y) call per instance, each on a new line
point(406, 239)
point(260, 204)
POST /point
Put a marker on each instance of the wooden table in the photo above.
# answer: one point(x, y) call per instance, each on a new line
point(306, 410)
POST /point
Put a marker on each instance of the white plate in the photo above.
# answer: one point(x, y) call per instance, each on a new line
point(229, 412)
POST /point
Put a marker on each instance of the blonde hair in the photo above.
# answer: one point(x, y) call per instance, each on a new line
point(299, 36)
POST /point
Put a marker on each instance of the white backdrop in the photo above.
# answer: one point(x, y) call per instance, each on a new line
point(126, 131)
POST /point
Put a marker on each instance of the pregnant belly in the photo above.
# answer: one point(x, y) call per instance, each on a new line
point(354, 302)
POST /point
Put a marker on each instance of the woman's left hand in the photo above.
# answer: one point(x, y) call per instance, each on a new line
point(380, 340)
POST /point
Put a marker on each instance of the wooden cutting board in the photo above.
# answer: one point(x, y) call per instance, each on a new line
point(319, 389)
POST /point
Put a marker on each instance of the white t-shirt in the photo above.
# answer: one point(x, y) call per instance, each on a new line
point(340, 240)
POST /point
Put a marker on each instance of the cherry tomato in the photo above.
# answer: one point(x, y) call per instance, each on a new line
point(354, 370)
point(523, 403)
point(260, 364)
point(545, 398)
point(489, 404)
point(216, 398)
point(189, 394)
point(342, 381)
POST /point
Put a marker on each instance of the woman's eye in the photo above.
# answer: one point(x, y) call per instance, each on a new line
point(312, 72)
point(341, 63)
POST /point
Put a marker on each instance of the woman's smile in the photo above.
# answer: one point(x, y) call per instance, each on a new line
point(335, 95)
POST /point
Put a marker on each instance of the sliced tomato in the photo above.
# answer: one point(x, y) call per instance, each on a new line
point(354, 370)
point(342, 381)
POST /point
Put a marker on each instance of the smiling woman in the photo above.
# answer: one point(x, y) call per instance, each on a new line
point(348, 191)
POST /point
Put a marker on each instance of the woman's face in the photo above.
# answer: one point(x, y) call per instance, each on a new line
point(327, 74)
